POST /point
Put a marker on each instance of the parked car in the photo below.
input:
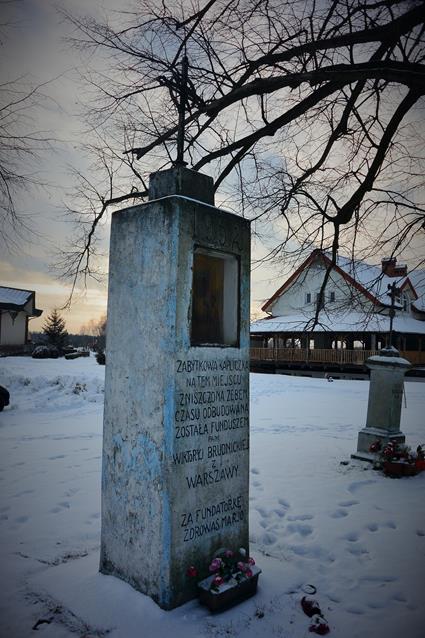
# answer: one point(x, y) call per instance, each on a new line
point(4, 397)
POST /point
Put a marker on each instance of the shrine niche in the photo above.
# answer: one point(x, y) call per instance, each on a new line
point(215, 298)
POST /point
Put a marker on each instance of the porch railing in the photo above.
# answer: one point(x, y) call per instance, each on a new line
point(302, 355)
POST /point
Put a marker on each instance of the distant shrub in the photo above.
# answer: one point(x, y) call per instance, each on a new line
point(100, 358)
point(45, 352)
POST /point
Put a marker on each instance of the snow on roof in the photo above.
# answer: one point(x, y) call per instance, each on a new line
point(14, 296)
point(417, 277)
point(370, 277)
point(343, 322)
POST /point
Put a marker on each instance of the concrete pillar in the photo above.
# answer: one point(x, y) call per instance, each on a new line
point(385, 401)
point(176, 423)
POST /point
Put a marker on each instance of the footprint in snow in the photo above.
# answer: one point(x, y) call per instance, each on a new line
point(357, 611)
point(379, 579)
point(58, 456)
point(268, 539)
point(420, 532)
point(72, 492)
point(400, 598)
point(60, 507)
point(21, 519)
point(262, 512)
point(358, 485)
point(391, 525)
point(340, 513)
point(19, 494)
point(298, 528)
point(300, 517)
point(348, 503)
point(357, 550)
point(372, 527)
point(254, 470)
point(282, 501)
point(375, 604)
point(312, 551)
point(353, 537)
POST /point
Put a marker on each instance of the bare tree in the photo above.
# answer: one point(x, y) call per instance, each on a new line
point(21, 141)
point(309, 115)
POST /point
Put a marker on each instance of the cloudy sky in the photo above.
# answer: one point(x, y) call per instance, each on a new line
point(34, 49)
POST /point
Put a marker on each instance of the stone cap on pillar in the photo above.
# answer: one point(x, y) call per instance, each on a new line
point(388, 358)
point(182, 181)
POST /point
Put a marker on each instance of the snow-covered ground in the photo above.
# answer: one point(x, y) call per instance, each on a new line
point(355, 535)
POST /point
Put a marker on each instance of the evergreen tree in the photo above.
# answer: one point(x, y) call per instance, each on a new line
point(54, 329)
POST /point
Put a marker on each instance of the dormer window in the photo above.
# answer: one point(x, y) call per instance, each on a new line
point(308, 297)
point(332, 296)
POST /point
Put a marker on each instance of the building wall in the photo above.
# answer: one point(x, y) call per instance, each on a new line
point(12, 333)
point(294, 300)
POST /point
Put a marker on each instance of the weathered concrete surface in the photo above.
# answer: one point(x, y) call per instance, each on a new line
point(182, 181)
point(384, 405)
point(176, 430)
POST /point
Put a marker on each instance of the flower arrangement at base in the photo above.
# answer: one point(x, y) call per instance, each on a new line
point(397, 459)
point(233, 577)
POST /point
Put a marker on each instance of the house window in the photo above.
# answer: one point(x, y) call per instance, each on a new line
point(319, 300)
point(308, 297)
point(406, 302)
point(332, 296)
point(215, 299)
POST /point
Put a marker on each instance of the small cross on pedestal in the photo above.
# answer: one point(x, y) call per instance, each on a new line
point(182, 105)
point(393, 292)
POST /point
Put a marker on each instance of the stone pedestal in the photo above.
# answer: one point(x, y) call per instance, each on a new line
point(176, 422)
point(385, 400)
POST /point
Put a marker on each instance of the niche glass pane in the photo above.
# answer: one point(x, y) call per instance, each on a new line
point(215, 299)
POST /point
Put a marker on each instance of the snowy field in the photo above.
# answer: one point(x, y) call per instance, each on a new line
point(355, 535)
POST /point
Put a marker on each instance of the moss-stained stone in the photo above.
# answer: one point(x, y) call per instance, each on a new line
point(176, 424)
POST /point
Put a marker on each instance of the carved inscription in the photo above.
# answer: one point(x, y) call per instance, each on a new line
point(211, 443)
point(212, 518)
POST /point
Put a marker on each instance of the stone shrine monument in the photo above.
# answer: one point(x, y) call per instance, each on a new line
point(385, 400)
point(176, 422)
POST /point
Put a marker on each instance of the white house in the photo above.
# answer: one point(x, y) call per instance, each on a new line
point(354, 309)
point(16, 307)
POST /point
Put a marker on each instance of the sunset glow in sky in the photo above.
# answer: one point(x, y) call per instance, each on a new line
point(35, 50)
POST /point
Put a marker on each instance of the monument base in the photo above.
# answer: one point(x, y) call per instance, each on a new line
point(367, 436)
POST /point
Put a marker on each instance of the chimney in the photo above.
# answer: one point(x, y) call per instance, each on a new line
point(390, 268)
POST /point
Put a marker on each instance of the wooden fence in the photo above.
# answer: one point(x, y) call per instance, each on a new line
point(344, 357)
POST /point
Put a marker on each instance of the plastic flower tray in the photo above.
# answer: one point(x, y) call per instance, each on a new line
point(397, 469)
point(229, 593)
